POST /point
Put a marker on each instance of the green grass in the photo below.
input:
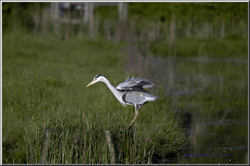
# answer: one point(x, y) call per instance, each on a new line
point(232, 46)
point(43, 87)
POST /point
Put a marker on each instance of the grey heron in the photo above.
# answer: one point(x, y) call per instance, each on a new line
point(129, 92)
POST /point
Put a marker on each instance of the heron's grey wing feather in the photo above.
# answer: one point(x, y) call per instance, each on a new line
point(145, 84)
point(139, 97)
point(135, 84)
point(135, 88)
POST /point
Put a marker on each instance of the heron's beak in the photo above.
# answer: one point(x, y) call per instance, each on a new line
point(92, 82)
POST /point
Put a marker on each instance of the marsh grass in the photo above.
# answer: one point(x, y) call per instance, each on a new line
point(231, 46)
point(44, 83)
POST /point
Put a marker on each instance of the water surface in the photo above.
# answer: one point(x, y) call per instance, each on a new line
point(213, 98)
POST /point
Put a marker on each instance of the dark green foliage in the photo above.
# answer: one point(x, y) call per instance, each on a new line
point(194, 11)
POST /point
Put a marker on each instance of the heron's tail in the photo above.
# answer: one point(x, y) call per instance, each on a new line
point(151, 97)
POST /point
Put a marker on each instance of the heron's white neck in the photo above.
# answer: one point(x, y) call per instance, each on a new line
point(117, 93)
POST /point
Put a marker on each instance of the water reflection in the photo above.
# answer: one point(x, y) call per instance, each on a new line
point(213, 92)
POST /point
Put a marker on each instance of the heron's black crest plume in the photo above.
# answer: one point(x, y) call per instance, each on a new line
point(99, 76)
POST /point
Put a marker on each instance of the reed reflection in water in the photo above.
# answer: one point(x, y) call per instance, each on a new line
point(212, 94)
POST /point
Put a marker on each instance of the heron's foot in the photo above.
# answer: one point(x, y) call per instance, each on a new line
point(136, 113)
point(130, 125)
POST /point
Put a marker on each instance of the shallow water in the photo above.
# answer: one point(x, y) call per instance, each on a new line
point(213, 98)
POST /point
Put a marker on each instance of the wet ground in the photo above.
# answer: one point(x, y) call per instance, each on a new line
point(213, 98)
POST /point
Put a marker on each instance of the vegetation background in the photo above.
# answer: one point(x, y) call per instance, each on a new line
point(46, 67)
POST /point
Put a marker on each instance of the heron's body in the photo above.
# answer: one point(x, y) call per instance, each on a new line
point(131, 92)
point(138, 98)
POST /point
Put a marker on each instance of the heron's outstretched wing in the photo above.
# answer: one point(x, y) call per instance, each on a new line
point(135, 84)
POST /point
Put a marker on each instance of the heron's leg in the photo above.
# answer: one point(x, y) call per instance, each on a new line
point(136, 113)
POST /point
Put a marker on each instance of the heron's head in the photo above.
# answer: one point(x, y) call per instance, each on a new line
point(96, 79)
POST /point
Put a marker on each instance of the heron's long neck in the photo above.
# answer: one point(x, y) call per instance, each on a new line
point(117, 93)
